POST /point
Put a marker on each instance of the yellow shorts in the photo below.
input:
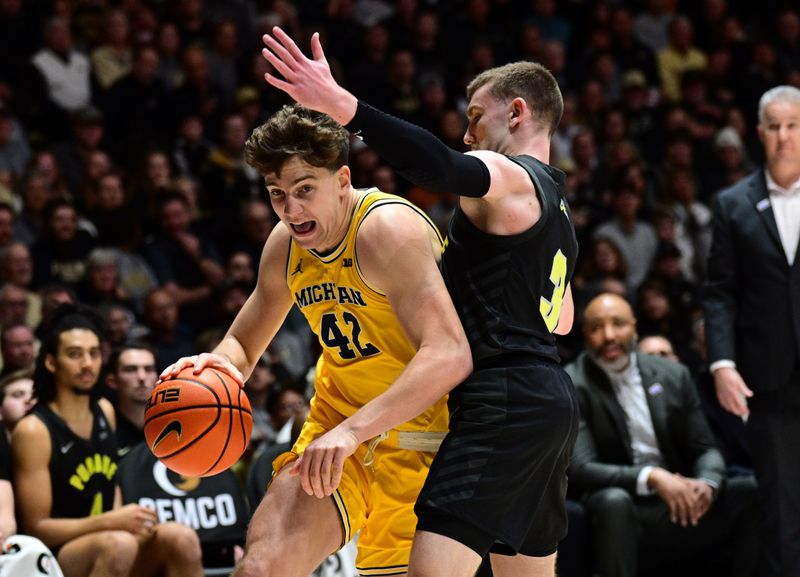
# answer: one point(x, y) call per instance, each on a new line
point(376, 499)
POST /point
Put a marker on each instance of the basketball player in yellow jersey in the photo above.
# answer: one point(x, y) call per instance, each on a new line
point(362, 267)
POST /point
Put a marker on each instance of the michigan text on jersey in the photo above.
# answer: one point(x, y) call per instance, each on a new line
point(328, 291)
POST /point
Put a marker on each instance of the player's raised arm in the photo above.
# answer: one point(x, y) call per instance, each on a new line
point(414, 152)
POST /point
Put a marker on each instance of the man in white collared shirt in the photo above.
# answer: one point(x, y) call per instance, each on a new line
point(752, 309)
point(652, 481)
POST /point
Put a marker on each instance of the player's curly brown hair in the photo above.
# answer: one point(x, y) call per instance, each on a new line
point(295, 131)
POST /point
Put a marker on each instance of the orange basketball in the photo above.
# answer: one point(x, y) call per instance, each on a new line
point(198, 425)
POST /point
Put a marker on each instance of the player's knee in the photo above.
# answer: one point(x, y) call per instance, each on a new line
point(118, 553)
point(180, 543)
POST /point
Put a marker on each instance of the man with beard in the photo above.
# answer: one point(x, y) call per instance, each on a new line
point(653, 482)
point(132, 374)
point(65, 468)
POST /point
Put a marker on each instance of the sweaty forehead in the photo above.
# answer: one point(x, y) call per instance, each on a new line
point(293, 171)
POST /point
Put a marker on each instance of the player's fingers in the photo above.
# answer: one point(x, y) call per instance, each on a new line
point(288, 43)
point(294, 470)
point(277, 62)
point(288, 60)
point(325, 473)
point(315, 474)
point(303, 465)
point(316, 48)
point(336, 471)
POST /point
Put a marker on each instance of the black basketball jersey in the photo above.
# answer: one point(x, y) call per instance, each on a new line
point(83, 472)
point(508, 289)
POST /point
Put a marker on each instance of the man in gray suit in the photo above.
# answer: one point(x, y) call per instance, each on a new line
point(653, 482)
point(752, 309)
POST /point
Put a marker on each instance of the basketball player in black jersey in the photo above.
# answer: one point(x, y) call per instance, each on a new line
point(65, 465)
point(499, 480)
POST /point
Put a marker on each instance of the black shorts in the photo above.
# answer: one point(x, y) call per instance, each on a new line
point(498, 482)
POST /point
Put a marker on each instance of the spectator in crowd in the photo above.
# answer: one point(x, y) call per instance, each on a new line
point(53, 295)
point(16, 268)
point(136, 106)
point(112, 59)
point(80, 515)
point(16, 400)
point(185, 260)
point(635, 238)
point(645, 461)
point(14, 148)
point(60, 254)
point(170, 338)
point(228, 181)
point(256, 222)
point(18, 348)
point(35, 195)
point(101, 282)
point(132, 374)
point(752, 312)
point(63, 75)
point(659, 346)
point(13, 305)
point(86, 137)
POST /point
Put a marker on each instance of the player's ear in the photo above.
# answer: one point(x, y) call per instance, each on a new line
point(516, 111)
point(111, 381)
point(343, 176)
point(50, 363)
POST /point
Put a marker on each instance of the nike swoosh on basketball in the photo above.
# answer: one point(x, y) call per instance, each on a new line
point(172, 427)
point(67, 447)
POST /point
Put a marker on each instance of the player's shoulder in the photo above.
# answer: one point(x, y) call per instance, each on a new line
point(392, 219)
point(108, 411)
point(30, 428)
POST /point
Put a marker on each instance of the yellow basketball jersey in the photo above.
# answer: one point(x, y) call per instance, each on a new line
point(364, 346)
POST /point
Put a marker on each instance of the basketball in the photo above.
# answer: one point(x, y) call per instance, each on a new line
point(198, 425)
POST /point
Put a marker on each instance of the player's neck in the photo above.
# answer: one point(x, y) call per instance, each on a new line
point(72, 408)
point(536, 146)
point(134, 414)
point(348, 208)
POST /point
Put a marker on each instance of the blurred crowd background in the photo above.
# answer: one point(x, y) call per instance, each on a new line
point(122, 127)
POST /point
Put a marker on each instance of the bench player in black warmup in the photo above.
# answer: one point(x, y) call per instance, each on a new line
point(499, 481)
point(65, 469)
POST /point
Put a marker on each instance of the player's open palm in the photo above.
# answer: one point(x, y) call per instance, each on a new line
point(307, 80)
point(321, 464)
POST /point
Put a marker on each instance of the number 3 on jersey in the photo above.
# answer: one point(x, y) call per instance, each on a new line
point(333, 336)
point(551, 309)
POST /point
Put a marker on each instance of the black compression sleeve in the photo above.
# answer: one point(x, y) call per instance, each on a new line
point(418, 155)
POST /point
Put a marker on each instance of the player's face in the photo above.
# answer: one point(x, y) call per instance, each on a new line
point(76, 364)
point(780, 134)
point(311, 202)
point(488, 119)
point(135, 376)
point(609, 328)
point(17, 400)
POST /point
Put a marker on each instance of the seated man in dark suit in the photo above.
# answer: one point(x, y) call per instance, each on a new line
point(653, 482)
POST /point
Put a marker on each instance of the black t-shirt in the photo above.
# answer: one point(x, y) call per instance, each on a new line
point(508, 289)
point(83, 472)
point(128, 435)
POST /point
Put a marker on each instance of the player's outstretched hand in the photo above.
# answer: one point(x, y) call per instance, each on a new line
point(200, 362)
point(321, 464)
point(307, 80)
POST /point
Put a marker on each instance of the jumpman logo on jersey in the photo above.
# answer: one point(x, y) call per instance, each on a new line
point(298, 268)
point(563, 207)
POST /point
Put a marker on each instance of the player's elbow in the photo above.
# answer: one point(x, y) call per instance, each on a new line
point(460, 361)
